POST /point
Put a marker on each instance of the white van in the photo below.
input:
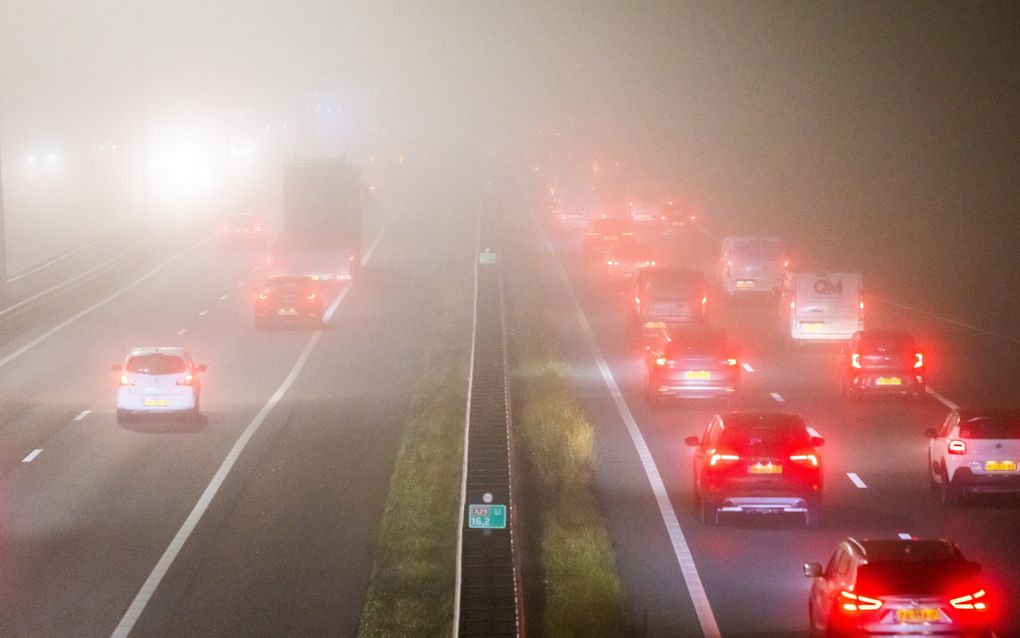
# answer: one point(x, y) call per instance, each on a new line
point(823, 306)
point(752, 264)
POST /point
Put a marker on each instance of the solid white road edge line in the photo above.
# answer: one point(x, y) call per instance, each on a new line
point(941, 399)
point(82, 415)
point(747, 366)
point(181, 331)
point(856, 480)
point(31, 456)
point(137, 606)
point(777, 397)
point(60, 326)
point(203, 313)
point(954, 322)
point(706, 618)
point(458, 560)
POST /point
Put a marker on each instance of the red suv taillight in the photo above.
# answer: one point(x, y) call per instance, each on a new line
point(807, 459)
point(849, 601)
point(957, 446)
point(263, 296)
point(855, 360)
point(970, 601)
point(720, 459)
point(918, 360)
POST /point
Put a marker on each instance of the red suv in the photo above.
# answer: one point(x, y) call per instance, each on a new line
point(882, 362)
point(288, 300)
point(757, 462)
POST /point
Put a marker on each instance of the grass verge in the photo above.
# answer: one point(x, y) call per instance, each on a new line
point(571, 584)
point(411, 587)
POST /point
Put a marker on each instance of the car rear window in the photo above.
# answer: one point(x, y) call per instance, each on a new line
point(708, 343)
point(672, 285)
point(765, 437)
point(883, 343)
point(758, 249)
point(991, 427)
point(914, 577)
point(156, 364)
point(286, 287)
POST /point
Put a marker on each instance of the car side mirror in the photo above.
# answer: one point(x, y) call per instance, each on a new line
point(813, 570)
point(931, 433)
point(116, 367)
point(692, 441)
point(201, 367)
point(817, 441)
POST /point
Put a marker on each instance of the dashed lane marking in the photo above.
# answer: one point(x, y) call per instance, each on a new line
point(82, 415)
point(222, 297)
point(181, 331)
point(856, 480)
point(905, 536)
point(203, 313)
point(777, 397)
point(813, 432)
point(941, 399)
point(31, 456)
point(747, 366)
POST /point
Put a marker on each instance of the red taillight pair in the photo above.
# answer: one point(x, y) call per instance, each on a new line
point(186, 380)
point(956, 446)
point(612, 262)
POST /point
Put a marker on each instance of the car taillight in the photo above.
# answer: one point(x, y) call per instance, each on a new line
point(957, 446)
point(312, 295)
point(970, 601)
point(918, 360)
point(612, 262)
point(850, 601)
point(720, 459)
point(704, 300)
point(793, 304)
point(258, 229)
point(263, 296)
point(187, 379)
point(808, 459)
point(731, 361)
point(226, 228)
point(661, 361)
point(650, 262)
point(125, 380)
point(855, 360)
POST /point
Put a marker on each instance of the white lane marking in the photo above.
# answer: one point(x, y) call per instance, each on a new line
point(375, 243)
point(905, 536)
point(954, 322)
point(747, 366)
point(31, 456)
point(181, 331)
point(24, 302)
point(941, 399)
point(60, 326)
point(141, 599)
point(813, 432)
point(856, 480)
point(82, 415)
point(203, 313)
point(222, 297)
point(59, 258)
point(777, 397)
point(459, 559)
point(706, 618)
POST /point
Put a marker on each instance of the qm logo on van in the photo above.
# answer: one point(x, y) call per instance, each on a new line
point(828, 287)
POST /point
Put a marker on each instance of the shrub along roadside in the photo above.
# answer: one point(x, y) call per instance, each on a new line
point(411, 588)
point(570, 577)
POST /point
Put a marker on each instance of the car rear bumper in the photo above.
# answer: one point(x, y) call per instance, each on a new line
point(158, 403)
point(966, 480)
point(693, 390)
point(869, 383)
point(764, 504)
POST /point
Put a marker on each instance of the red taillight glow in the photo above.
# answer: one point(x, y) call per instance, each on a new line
point(704, 300)
point(124, 380)
point(957, 446)
point(660, 361)
point(918, 360)
point(312, 295)
point(263, 296)
point(612, 262)
point(187, 379)
point(855, 360)
point(731, 361)
point(856, 602)
point(860, 305)
point(970, 601)
point(258, 229)
point(717, 459)
point(807, 458)
point(793, 305)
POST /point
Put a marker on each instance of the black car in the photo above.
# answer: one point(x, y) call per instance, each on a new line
point(762, 462)
point(882, 361)
point(666, 298)
point(692, 363)
point(898, 587)
point(288, 301)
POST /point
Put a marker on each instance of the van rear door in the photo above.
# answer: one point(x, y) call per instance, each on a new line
point(826, 306)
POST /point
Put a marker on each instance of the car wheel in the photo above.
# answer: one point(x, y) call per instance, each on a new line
point(933, 485)
point(708, 513)
point(813, 516)
point(949, 495)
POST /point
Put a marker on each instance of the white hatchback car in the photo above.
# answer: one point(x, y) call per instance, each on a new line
point(975, 452)
point(158, 381)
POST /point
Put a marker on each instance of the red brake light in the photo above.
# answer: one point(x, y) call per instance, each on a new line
point(718, 459)
point(957, 446)
point(855, 602)
point(855, 360)
point(124, 380)
point(187, 379)
point(660, 360)
point(731, 361)
point(970, 601)
point(263, 296)
point(612, 262)
point(918, 360)
point(809, 459)
point(311, 295)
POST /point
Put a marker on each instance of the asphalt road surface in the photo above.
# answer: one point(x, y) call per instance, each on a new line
point(744, 577)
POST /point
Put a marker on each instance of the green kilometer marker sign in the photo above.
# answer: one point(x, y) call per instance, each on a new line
point(487, 516)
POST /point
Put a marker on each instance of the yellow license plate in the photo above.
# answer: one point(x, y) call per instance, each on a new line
point(1000, 466)
point(655, 325)
point(698, 374)
point(766, 468)
point(745, 284)
point(888, 381)
point(812, 326)
point(288, 312)
point(922, 614)
point(156, 403)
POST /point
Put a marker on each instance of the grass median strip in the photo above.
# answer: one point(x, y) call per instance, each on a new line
point(411, 588)
point(571, 584)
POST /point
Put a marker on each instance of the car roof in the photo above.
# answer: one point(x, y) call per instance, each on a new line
point(244, 216)
point(967, 414)
point(885, 333)
point(884, 550)
point(167, 350)
point(286, 279)
point(762, 419)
